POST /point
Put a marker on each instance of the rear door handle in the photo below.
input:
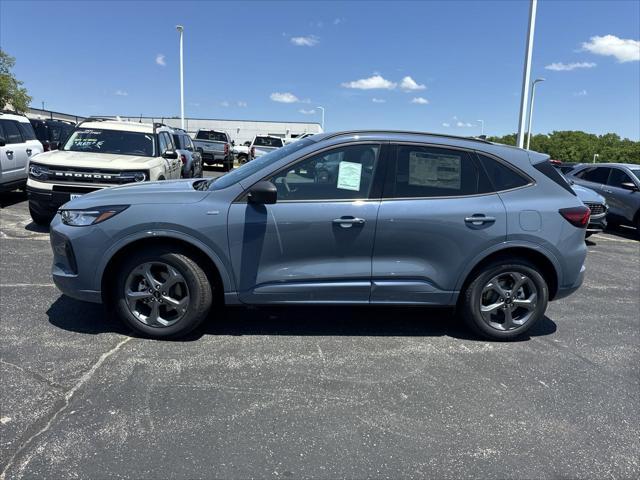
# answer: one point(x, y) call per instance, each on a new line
point(348, 222)
point(29, 151)
point(479, 219)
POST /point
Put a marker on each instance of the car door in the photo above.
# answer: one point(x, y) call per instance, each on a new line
point(621, 200)
point(594, 178)
point(438, 212)
point(14, 153)
point(315, 243)
point(172, 164)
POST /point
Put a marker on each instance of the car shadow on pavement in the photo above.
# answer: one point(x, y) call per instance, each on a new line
point(11, 198)
point(81, 317)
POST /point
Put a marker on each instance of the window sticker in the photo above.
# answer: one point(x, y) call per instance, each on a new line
point(429, 170)
point(349, 175)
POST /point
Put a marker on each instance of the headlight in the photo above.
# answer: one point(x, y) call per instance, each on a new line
point(92, 216)
point(38, 171)
point(127, 177)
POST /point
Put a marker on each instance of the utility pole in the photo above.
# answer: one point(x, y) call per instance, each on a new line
point(180, 29)
point(527, 72)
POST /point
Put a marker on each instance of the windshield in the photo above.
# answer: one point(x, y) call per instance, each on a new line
point(209, 135)
point(110, 141)
point(253, 166)
point(636, 172)
point(267, 142)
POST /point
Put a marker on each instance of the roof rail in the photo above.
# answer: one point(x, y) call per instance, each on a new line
point(408, 132)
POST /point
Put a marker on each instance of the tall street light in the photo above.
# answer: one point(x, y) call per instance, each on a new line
point(527, 72)
point(533, 97)
point(180, 29)
point(322, 121)
point(481, 127)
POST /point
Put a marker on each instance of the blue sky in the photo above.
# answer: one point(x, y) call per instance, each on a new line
point(280, 60)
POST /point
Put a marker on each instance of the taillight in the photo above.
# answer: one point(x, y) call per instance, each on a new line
point(226, 148)
point(576, 216)
point(253, 151)
point(184, 159)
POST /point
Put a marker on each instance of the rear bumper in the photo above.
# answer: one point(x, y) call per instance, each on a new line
point(566, 291)
point(213, 157)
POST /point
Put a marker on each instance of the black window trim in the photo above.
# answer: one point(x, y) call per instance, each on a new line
point(472, 155)
point(375, 193)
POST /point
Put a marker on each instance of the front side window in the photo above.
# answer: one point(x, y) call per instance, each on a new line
point(187, 143)
point(618, 177)
point(11, 131)
point(596, 175)
point(435, 172)
point(164, 142)
point(178, 143)
point(27, 131)
point(344, 173)
point(110, 141)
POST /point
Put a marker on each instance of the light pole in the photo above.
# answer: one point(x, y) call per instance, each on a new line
point(595, 155)
point(533, 97)
point(180, 29)
point(322, 121)
point(527, 72)
point(481, 127)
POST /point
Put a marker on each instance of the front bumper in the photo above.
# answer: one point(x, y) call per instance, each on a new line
point(597, 225)
point(44, 200)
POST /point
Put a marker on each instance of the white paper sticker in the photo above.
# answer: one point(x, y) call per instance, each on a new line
point(349, 175)
point(428, 170)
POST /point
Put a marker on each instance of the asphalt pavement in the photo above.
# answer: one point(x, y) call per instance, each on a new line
point(327, 392)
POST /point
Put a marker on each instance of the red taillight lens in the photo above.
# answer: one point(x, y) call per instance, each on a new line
point(226, 148)
point(576, 216)
point(184, 159)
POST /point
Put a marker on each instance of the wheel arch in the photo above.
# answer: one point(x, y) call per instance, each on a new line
point(548, 267)
point(211, 263)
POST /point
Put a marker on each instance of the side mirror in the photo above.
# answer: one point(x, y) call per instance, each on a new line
point(2, 142)
point(263, 193)
point(629, 186)
point(170, 155)
point(233, 143)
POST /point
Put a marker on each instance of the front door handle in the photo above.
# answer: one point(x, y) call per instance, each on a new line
point(9, 152)
point(479, 219)
point(29, 151)
point(348, 222)
point(607, 191)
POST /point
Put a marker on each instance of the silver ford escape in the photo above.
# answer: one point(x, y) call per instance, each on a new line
point(365, 217)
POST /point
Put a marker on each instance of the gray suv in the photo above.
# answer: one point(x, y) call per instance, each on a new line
point(399, 218)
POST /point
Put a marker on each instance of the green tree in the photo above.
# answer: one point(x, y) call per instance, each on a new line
point(11, 90)
point(577, 146)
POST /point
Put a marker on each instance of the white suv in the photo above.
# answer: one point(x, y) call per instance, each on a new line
point(100, 153)
point(18, 144)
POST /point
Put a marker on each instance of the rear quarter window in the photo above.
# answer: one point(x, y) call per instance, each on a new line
point(502, 177)
point(27, 131)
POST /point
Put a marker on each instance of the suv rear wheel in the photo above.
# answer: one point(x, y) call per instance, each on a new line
point(504, 300)
point(162, 293)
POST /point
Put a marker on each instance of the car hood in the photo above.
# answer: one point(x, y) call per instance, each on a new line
point(166, 191)
point(586, 194)
point(108, 161)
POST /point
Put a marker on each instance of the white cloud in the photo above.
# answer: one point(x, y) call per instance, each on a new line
point(338, 21)
point(242, 104)
point(224, 104)
point(464, 124)
point(307, 112)
point(160, 60)
point(567, 67)
point(408, 84)
point(625, 50)
point(420, 100)
point(308, 41)
point(581, 93)
point(285, 97)
point(121, 93)
point(445, 124)
point(194, 104)
point(371, 83)
point(378, 100)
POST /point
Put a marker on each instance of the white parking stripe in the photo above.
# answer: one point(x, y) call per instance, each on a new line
point(18, 285)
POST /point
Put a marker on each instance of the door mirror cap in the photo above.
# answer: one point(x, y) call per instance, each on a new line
point(263, 193)
point(170, 155)
point(630, 186)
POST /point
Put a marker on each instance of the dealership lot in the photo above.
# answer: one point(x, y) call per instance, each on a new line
point(316, 392)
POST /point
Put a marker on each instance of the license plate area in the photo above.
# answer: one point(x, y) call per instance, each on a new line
point(74, 195)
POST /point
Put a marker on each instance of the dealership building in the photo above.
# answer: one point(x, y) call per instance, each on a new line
point(239, 130)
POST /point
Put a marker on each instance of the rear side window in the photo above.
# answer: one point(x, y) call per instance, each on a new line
point(27, 131)
point(502, 177)
point(11, 132)
point(187, 143)
point(436, 172)
point(550, 171)
point(596, 174)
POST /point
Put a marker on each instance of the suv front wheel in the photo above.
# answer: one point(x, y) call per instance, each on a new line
point(162, 293)
point(504, 300)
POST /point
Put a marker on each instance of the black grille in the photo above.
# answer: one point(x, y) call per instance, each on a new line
point(596, 208)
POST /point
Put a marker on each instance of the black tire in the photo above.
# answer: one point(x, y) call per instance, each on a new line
point(473, 295)
point(40, 217)
point(198, 291)
point(588, 234)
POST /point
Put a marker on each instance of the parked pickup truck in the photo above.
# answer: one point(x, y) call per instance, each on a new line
point(264, 144)
point(215, 147)
point(242, 152)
